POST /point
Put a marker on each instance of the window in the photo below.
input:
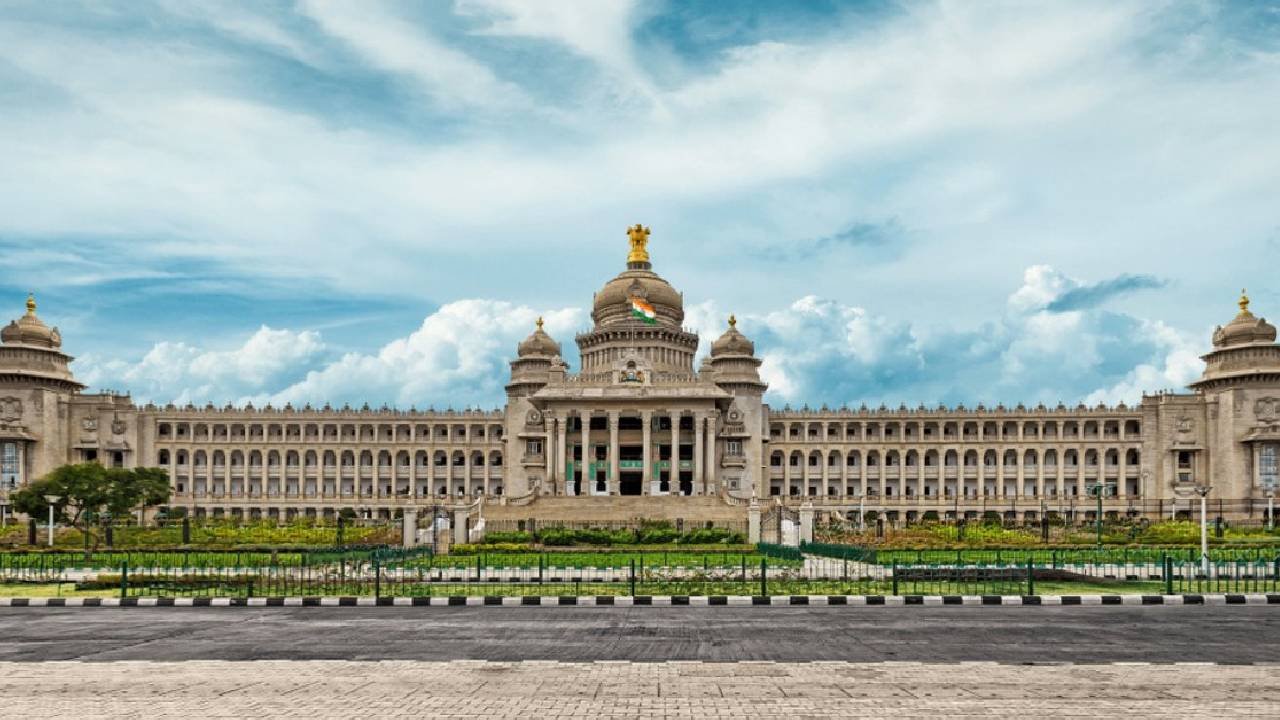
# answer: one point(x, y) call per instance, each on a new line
point(733, 447)
point(533, 447)
point(10, 474)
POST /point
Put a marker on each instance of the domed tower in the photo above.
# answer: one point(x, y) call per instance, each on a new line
point(735, 369)
point(536, 356)
point(734, 363)
point(35, 387)
point(638, 314)
point(1241, 389)
point(31, 354)
point(537, 363)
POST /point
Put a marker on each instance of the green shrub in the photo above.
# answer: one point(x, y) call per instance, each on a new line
point(508, 536)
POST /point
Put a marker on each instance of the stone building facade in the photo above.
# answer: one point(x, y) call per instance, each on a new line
point(639, 429)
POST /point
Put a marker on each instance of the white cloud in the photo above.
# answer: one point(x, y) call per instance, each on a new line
point(815, 351)
point(387, 41)
point(458, 355)
point(178, 372)
point(599, 30)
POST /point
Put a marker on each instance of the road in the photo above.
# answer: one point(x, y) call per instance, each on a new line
point(1158, 634)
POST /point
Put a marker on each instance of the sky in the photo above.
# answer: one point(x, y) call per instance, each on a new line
point(902, 202)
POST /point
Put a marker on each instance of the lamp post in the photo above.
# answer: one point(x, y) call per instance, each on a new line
point(51, 500)
point(1203, 492)
point(1098, 490)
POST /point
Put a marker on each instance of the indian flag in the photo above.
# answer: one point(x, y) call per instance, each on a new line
point(643, 310)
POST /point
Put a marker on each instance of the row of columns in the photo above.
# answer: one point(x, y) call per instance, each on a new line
point(704, 429)
point(1020, 477)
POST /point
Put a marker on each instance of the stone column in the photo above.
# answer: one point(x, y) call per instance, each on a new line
point(614, 484)
point(586, 459)
point(460, 524)
point(548, 450)
point(409, 528)
point(1122, 490)
point(709, 484)
point(562, 442)
point(699, 486)
point(646, 419)
point(753, 521)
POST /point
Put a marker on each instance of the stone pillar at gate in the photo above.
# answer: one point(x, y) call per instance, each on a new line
point(753, 521)
point(806, 522)
point(409, 528)
point(460, 525)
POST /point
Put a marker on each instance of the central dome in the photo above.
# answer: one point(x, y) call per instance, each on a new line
point(624, 298)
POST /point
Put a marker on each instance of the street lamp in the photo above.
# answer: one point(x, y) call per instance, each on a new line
point(51, 500)
point(1098, 490)
point(1203, 492)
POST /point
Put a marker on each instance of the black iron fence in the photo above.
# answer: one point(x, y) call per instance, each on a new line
point(417, 572)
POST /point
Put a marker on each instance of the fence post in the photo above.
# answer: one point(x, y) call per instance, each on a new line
point(1167, 562)
point(894, 577)
point(764, 577)
point(1031, 577)
point(124, 577)
point(377, 577)
point(632, 578)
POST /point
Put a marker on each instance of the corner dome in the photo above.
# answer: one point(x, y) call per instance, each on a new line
point(615, 301)
point(539, 343)
point(30, 330)
point(1245, 329)
point(732, 342)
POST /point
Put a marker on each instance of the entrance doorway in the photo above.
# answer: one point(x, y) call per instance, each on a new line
point(629, 483)
point(686, 483)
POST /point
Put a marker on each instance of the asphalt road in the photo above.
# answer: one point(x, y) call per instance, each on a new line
point(1222, 634)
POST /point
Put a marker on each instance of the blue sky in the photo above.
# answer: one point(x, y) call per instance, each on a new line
point(903, 202)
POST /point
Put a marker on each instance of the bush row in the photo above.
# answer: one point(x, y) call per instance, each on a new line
point(646, 534)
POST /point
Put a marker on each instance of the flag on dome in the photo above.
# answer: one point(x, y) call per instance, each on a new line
point(643, 310)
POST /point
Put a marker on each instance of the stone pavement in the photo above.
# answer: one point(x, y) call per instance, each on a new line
point(470, 689)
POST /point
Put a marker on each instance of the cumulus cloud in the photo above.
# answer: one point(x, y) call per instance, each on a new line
point(458, 356)
point(814, 351)
point(821, 351)
point(178, 372)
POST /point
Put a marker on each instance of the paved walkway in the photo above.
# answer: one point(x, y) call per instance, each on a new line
point(1225, 634)
point(469, 689)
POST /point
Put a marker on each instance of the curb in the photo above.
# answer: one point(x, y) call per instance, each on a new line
point(653, 600)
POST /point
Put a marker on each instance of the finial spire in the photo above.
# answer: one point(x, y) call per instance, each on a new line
point(733, 321)
point(639, 236)
point(31, 304)
point(539, 323)
point(1244, 302)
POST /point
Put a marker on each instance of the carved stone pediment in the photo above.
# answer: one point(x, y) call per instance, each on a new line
point(1267, 410)
point(10, 410)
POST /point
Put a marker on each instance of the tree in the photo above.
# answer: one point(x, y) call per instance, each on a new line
point(86, 493)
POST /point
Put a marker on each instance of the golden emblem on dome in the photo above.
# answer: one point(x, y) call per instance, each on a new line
point(733, 322)
point(31, 304)
point(639, 236)
point(1244, 302)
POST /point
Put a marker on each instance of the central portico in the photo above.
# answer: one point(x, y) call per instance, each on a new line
point(637, 419)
